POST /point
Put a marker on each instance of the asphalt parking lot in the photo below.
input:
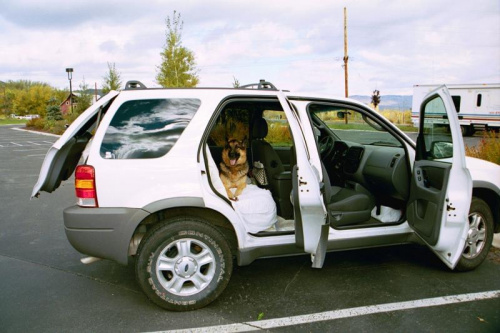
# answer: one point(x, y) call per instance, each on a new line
point(45, 288)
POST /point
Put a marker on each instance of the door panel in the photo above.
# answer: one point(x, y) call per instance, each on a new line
point(310, 213)
point(427, 200)
point(441, 186)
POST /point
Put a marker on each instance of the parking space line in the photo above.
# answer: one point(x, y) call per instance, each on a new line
point(34, 143)
point(344, 313)
point(17, 144)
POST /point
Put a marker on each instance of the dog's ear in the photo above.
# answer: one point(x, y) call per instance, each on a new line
point(244, 142)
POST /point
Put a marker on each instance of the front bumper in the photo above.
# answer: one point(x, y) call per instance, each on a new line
point(102, 232)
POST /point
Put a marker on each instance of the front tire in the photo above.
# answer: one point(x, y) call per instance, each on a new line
point(479, 236)
point(183, 264)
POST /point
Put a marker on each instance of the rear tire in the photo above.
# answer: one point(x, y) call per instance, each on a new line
point(183, 264)
point(479, 237)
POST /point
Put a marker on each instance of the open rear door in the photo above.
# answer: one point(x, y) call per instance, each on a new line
point(311, 228)
point(62, 158)
point(441, 186)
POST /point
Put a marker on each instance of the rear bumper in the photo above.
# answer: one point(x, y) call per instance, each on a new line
point(102, 232)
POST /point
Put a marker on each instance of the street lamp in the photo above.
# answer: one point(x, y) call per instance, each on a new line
point(70, 76)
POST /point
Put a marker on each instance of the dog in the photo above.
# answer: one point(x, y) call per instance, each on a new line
point(234, 167)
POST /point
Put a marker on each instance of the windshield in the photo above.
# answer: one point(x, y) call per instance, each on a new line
point(349, 124)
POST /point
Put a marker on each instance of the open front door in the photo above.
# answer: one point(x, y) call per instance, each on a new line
point(311, 228)
point(441, 186)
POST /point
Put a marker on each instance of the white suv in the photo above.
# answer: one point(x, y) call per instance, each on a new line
point(340, 176)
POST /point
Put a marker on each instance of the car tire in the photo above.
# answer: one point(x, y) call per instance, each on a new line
point(479, 237)
point(183, 264)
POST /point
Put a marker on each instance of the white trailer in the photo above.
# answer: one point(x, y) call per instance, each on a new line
point(477, 105)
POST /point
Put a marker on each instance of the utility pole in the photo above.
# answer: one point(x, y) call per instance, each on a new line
point(346, 59)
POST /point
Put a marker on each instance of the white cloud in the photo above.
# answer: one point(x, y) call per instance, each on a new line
point(295, 44)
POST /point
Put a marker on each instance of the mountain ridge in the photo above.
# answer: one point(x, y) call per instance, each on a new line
point(388, 102)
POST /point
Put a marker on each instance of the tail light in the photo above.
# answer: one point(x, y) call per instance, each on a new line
point(85, 186)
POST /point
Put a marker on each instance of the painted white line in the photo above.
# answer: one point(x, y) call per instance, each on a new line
point(344, 313)
point(34, 143)
point(33, 149)
point(17, 144)
point(35, 155)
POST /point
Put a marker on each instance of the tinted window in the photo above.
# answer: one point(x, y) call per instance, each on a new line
point(147, 128)
point(479, 99)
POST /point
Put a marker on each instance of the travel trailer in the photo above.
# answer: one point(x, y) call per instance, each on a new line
point(477, 105)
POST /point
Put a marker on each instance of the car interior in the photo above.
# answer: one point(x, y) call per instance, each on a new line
point(365, 168)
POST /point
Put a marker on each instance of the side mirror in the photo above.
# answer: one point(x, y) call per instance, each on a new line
point(341, 114)
point(441, 149)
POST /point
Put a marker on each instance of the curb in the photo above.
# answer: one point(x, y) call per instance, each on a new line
point(35, 132)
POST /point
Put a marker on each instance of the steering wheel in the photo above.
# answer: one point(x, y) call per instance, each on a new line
point(325, 145)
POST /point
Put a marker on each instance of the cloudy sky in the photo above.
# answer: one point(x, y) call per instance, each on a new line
point(297, 45)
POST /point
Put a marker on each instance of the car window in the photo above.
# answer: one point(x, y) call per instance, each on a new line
point(351, 125)
point(436, 130)
point(147, 128)
point(278, 134)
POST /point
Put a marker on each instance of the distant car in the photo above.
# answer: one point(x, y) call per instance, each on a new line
point(28, 116)
point(340, 177)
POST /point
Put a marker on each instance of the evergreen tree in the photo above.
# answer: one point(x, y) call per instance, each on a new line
point(178, 67)
point(84, 100)
point(112, 80)
point(53, 110)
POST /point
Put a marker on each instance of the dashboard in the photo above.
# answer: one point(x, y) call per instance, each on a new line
point(382, 170)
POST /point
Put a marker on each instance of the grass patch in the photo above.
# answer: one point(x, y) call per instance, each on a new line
point(12, 121)
point(407, 128)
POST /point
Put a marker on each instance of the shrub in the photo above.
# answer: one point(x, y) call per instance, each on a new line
point(44, 125)
point(397, 117)
point(488, 148)
point(36, 123)
point(278, 134)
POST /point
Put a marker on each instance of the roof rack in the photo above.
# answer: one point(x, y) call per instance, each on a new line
point(262, 85)
point(134, 84)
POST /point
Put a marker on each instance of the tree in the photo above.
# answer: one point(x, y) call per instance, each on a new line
point(112, 80)
point(376, 99)
point(84, 100)
point(32, 100)
point(178, 67)
point(53, 110)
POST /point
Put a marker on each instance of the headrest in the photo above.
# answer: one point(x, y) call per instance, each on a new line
point(259, 128)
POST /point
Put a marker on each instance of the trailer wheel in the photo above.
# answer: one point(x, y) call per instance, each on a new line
point(467, 130)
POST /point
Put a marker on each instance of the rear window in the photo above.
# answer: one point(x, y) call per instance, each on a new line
point(147, 128)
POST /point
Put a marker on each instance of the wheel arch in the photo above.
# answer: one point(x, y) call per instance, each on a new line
point(492, 199)
point(171, 208)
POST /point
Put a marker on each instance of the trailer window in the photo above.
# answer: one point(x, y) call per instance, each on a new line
point(456, 101)
point(479, 99)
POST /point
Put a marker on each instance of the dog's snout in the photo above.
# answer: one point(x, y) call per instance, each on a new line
point(233, 154)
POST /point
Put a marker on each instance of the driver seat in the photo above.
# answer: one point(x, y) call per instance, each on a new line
point(346, 206)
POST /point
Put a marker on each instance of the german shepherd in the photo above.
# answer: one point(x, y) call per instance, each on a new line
point(234, 167)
